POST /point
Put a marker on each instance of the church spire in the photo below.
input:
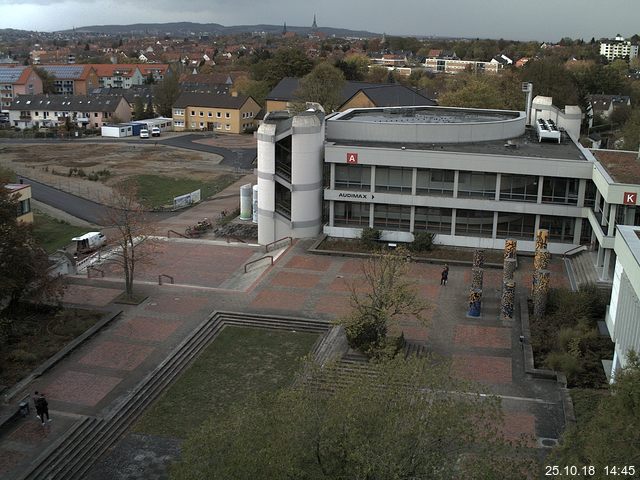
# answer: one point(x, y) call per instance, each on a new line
point(314, 25)
point(284, 29)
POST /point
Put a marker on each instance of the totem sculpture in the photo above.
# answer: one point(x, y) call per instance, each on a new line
point(541, 293)
point(542, 238)
point(510, 247)
point(508, 299)
point(475, 302)
point(477, 275)
point(509, 269)
point(478, 258)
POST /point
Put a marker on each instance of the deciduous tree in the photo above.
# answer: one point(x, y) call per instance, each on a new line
point(165, 93)
point(402, 419)
point(378, 300)
point(131, 240)
point(323, 85)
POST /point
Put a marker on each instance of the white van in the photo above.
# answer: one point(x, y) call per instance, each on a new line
point(155, 132)
point(144, 133)
point(89, 242)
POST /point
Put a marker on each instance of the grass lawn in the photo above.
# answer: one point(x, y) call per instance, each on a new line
point(37, 336)
point(52, 233)
point(156, 191)
point(239, 362)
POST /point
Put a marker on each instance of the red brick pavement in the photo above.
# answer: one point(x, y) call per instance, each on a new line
point(352, 266)
point(87, 295)
point(10, 458)
point(520, 426)
point(310, 262)
point(484, 369)
point(297, 280)
point(279, 300)
point(116, 355)
point(176, 304)
point(479, 336)
point(80, 387)
point(337, 305)
point(31, 432)
point(144, 328)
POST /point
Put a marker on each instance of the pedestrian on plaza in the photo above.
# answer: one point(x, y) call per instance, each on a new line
point(44, 405)
point(444, 276)
point(38, 405)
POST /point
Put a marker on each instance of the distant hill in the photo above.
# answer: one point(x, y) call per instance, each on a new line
point(190, 28)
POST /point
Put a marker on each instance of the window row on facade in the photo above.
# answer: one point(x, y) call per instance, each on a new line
point(518, 188)
point(458, 222)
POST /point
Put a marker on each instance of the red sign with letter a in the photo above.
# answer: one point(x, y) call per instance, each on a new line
point(630, 198)
point(352, 158)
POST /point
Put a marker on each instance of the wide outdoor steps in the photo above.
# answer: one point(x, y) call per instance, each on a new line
point(581, 268)
point(74, 454)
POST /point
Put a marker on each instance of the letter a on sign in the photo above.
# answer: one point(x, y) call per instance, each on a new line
point(352, 158)
point(630, 198)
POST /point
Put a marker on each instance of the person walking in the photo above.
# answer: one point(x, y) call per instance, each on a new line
point(44, 405)
point(38, 405)
point(444, 276)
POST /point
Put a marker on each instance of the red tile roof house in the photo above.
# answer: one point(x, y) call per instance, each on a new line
point(18, 80)
point(84, 111)
point(118, 75)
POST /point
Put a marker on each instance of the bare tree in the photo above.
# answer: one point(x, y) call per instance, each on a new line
point(132, 242)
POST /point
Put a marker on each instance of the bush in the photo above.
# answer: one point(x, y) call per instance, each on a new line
point(422, 242)
point(22, 356)
point(566, 363)
point(370, 236)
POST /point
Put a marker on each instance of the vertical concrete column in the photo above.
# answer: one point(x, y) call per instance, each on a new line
point(494, 230)
point(613, 209)
point(498, 181)
point(456, 178)
point(332, 176)
point(540, 185)
point(414, 181)
point(412, 219)
point(372, 188)
point(606, 265)
point(508, 299)
point(453, 222)
point(332, 210)
point(582, 190)
point(541, 293)
point(577, 231)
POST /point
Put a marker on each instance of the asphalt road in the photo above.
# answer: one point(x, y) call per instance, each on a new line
point(238, 158)
point(77, 206)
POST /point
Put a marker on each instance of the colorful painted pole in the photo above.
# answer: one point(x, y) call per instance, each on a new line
point(475, 302)
point(508, 299)
point(509, 268)
point(542, 238)
point(478, 258)
point(541, 293)
point(477, 275)
point(510, 247)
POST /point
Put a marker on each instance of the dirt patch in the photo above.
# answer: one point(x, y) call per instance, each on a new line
point(69, 166)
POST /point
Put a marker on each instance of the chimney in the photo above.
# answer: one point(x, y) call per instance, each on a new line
point(234, 93)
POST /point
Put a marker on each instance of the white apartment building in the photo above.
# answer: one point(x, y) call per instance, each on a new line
point(618, 48)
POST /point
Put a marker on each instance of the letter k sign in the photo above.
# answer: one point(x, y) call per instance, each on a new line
point(630, 198)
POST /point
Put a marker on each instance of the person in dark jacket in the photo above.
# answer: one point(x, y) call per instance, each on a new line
point(444, 276)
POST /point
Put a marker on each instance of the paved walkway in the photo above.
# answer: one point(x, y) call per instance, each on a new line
point(94, 378)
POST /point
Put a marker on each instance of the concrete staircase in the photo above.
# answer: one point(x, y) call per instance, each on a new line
point(581, 271)
point(72, 456)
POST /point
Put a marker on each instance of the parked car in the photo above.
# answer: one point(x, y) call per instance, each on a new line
point(155, 132)
point(144, 133)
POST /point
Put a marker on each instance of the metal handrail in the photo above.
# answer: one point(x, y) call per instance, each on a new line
point(164, 275)
point(89, 268)
point(257, 260)
point(177, 233)
point(573, 250)
point(266, 247)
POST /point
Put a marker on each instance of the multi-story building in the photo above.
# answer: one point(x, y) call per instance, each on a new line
point(72, 79)
point(84, 111)
point(118, 75)
point(618, 48)
point(17, 80)
point(623, 313)
point(224, 113)
point(473, 177)
point(156, 70)
point(23, 198)
point(445, 65)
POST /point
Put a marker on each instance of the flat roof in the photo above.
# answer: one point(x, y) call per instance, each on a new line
point(622, 166)
point(526, 145)
point(426, 114)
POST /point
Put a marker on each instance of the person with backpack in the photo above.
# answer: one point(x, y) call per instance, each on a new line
point(44, 407)
point(444, 276)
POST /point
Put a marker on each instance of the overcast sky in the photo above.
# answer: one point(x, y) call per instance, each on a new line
point(547, 20)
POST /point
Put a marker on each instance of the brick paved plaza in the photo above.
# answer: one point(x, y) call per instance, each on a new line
point(92, 379)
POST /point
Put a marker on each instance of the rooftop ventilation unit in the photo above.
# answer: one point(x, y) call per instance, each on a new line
point(547, 129)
